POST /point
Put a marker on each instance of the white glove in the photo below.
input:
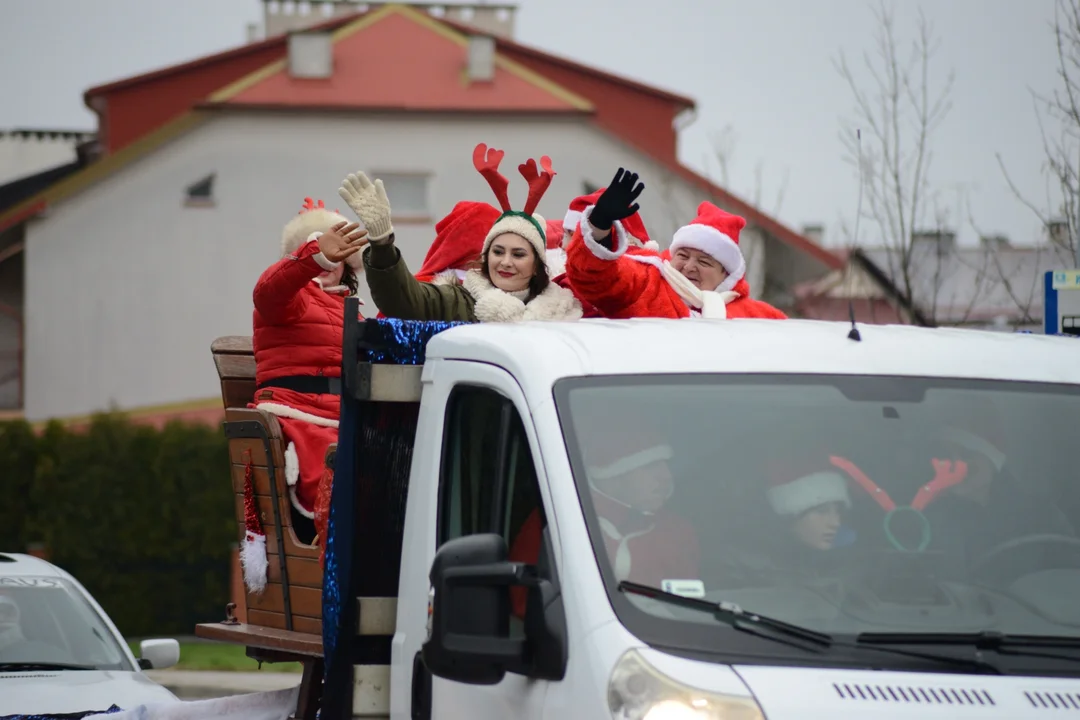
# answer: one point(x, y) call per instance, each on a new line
point(368, 200)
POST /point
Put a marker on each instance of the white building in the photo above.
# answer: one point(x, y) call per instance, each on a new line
point(135, 264)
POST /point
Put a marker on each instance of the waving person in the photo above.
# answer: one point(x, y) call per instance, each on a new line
point(704, 276)
point(297, 333)
point(511, 281)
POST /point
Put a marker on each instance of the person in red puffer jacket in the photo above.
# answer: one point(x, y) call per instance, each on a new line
point(298, 325)
point(701, 275)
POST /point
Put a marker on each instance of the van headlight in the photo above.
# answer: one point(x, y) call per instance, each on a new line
point(638, 691)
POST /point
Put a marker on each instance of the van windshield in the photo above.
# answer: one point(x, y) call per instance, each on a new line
point(845, 505)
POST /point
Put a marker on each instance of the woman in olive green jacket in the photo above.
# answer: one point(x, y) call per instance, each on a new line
point(511, 281)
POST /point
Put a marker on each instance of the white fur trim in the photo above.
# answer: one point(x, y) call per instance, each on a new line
point(715, 243)
point(976, 444)
point(632, 462)
point(651, 245)
point(285, 411)
point(253, 562)
point(448, 277)
point(808, 492)
point(556, 262)
point(298, 230)
point(292, 465)
point(622, 240)
point(324, 262)
point(570, 220)
point(522, 228)
point(494, 305)
point(296, 504)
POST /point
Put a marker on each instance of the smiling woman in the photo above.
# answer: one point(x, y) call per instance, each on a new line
point(510, 281)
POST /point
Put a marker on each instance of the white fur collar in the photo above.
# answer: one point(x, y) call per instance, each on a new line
point(494, 305)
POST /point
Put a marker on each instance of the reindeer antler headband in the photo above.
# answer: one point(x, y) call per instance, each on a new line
point(486, 161)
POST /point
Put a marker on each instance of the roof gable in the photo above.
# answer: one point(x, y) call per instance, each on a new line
point(397, 58)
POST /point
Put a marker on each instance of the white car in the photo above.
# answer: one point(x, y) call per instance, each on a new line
point(60, 652)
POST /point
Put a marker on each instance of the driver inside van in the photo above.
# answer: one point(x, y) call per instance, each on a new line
point(630, 485)
point(992, 506)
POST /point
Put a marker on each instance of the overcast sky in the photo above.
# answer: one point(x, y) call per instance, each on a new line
point(763, 68)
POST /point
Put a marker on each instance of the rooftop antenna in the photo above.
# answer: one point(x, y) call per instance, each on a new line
point(853, 334)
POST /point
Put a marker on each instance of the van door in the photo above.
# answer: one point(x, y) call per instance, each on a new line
point(488, 483)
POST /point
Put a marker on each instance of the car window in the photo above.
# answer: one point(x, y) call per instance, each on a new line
point(47, 620)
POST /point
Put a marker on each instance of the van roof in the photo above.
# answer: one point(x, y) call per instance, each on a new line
point(540, 353)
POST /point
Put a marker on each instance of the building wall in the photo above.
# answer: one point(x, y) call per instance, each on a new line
point(11, 313)
point(126, 286)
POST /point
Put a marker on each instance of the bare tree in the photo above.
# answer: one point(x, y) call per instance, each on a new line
point(898, 106)
point(1060, 216)
point(723, 145)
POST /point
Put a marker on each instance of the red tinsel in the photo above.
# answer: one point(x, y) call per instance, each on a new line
point(252, 521)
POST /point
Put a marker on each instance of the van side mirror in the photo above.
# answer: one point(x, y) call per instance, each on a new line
point(470, 640)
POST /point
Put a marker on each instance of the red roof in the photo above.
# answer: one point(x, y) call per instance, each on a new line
point(399, 58)
point(398, 61)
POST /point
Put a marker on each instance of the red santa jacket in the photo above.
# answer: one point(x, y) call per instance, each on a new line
point(646, 549)
point(627, 282)
point(588, 310)
point(297, 331)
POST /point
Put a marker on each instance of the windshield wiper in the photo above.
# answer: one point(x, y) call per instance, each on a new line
point(736, 617)
point(1002, 643)
point(780, 631)
point(18, 666)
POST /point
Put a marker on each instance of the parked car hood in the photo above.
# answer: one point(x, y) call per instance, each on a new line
point(54, 692)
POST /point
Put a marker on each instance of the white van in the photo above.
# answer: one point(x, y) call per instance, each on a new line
point(968, 606)
point(656, 520)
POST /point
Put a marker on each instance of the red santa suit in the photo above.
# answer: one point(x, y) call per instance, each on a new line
point(459, 241)
point(297, 338)
point(636, 236)
point(627, 281)
point(642, 547)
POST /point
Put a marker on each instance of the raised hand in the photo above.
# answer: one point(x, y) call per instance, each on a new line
point(368, 200)
point(342, 241)
point(618, 201)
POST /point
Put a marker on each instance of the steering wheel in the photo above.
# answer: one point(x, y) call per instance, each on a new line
point(991, 569)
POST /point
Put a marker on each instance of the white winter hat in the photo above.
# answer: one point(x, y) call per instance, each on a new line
point(527, 227)
point(793, 493)
point(313, 220)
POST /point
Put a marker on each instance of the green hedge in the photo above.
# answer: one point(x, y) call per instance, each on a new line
point(142, 517)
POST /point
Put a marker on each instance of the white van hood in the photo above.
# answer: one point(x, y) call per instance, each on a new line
point(56, 692)
point(786, 693)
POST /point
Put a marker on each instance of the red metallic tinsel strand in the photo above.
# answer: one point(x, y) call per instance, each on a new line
point(252, 521)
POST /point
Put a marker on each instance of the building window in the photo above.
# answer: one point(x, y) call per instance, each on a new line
point(201, 194)
point(408, 193)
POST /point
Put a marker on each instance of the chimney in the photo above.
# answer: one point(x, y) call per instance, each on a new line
point(814, 233)
point(481, 58)
point(311, 55)
point(1057, 231)
point(994, 242)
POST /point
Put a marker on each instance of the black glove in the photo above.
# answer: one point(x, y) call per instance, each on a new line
point(617, 202)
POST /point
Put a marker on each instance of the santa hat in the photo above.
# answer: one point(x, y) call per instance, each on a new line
point(715, 233)
point(632, 226)
point(978, 429)
point(313, 220)
point(253, 558)
point(613, 452)
point(793, 491)
point(554, 234)
point(525, 223)
point(459, 239)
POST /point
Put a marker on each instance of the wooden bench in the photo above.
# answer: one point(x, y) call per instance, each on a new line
point(284, 622)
